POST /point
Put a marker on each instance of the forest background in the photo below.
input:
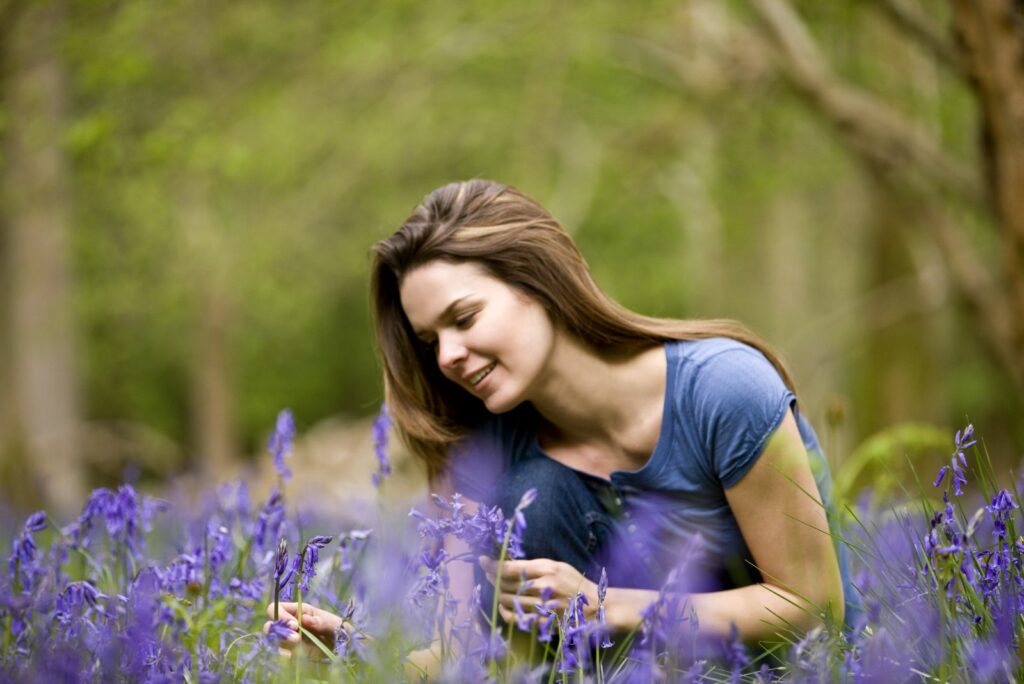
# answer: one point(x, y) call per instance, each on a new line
point(191, 190)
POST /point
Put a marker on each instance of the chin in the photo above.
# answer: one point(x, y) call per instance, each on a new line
point(497, 406)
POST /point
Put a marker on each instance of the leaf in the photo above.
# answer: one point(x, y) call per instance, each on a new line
point(319, 644)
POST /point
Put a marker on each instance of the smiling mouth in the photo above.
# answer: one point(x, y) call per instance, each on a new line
point(478, 378)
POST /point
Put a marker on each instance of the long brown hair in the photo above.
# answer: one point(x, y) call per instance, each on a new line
point(517, 241)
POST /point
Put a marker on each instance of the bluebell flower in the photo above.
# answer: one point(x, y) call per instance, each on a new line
point(381, 427)
point(219, 544)
point(23, 563)
point(269, 520)
point(736, 656)
point(484, 531)
point(280, 443)
point(278, 631)
point(305, 563)
point(696, 672)
point(252, 590)
point(347, 542)
point(546, 615)
point(575, 635)
point(602, 591)
point(962, 441)
point(75, 596)
point(524, 620)
point(283, 571)
point(35, 522)
point(515, 534)
point(1001, 508)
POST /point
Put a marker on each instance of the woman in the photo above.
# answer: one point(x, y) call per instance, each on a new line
point(652, 443)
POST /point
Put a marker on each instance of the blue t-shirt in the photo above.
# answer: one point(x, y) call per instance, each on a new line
point(723, 400)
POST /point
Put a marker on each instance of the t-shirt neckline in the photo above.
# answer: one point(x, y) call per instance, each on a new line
point(654, 462)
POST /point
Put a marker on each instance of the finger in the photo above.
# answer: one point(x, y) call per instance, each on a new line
point(525, 569)
point(285, 609)
point(509, 568)
point(506, 614)
point(314, 622)
point(527, 603)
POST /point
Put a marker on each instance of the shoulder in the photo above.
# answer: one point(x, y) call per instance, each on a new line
point(719, 366)
point(732, 397)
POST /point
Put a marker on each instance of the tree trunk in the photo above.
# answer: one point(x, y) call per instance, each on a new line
point(901, 154)
point(212, 392)
point(38, 209)
point(902, 381)
point(212, 402)
point(991, 34)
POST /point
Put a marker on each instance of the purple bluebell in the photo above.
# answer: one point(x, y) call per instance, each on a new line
point(736, 656)
point(484, 531)
point(270, 520)
point(347, 542)
point(1001, 508)
point(23, 563)
point(515, 533)
point(696, 672)
point(280, 443)
point(252, 590)
point(305, 563)
point(278, 631)
point(546, 615)
point(283, 571)
point(77, 595)
point(602, 592)
point(962, 441)
point(218, 544)
point(381, 428)
point(575, 632)
point(524, 620)
point(349, 642)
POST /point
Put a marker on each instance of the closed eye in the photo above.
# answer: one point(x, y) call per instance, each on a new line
point(465, 320)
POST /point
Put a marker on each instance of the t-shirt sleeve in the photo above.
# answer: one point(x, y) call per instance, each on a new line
point(739, 400)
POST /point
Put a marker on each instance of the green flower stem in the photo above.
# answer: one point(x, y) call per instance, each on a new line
point(497, 578)
point(277, 599)
point(298, 614)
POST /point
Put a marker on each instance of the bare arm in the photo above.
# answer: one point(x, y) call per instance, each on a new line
point(786, 532)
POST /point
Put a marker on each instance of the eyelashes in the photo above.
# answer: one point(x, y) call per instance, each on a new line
point(462, 322)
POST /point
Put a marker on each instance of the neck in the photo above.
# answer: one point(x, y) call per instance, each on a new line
point(588, 397)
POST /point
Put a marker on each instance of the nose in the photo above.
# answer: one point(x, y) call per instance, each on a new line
point(450, 352)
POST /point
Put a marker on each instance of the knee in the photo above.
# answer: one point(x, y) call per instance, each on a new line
point(556, 486)
point(565, 521)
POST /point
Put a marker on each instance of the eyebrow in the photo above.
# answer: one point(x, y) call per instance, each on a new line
point(444, 314)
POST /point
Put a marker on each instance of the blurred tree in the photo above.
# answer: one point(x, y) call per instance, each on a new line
point(233, 162)
point(37, 210)
point(949, 196)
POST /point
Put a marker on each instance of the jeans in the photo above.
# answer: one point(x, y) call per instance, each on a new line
point(574, 519)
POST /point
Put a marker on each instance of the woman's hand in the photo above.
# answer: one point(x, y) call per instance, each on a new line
point(532, 580)
point(321, 623)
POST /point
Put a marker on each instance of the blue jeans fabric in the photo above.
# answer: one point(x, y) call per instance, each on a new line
point(574, 519)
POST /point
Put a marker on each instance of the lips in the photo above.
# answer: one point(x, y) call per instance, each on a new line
point(476, 378)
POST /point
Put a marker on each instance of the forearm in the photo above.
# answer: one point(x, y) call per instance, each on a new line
point(757, 610)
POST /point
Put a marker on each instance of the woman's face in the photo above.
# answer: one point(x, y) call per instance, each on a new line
point(490, 339)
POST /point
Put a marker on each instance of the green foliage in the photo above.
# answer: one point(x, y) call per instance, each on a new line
point(251, 153)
